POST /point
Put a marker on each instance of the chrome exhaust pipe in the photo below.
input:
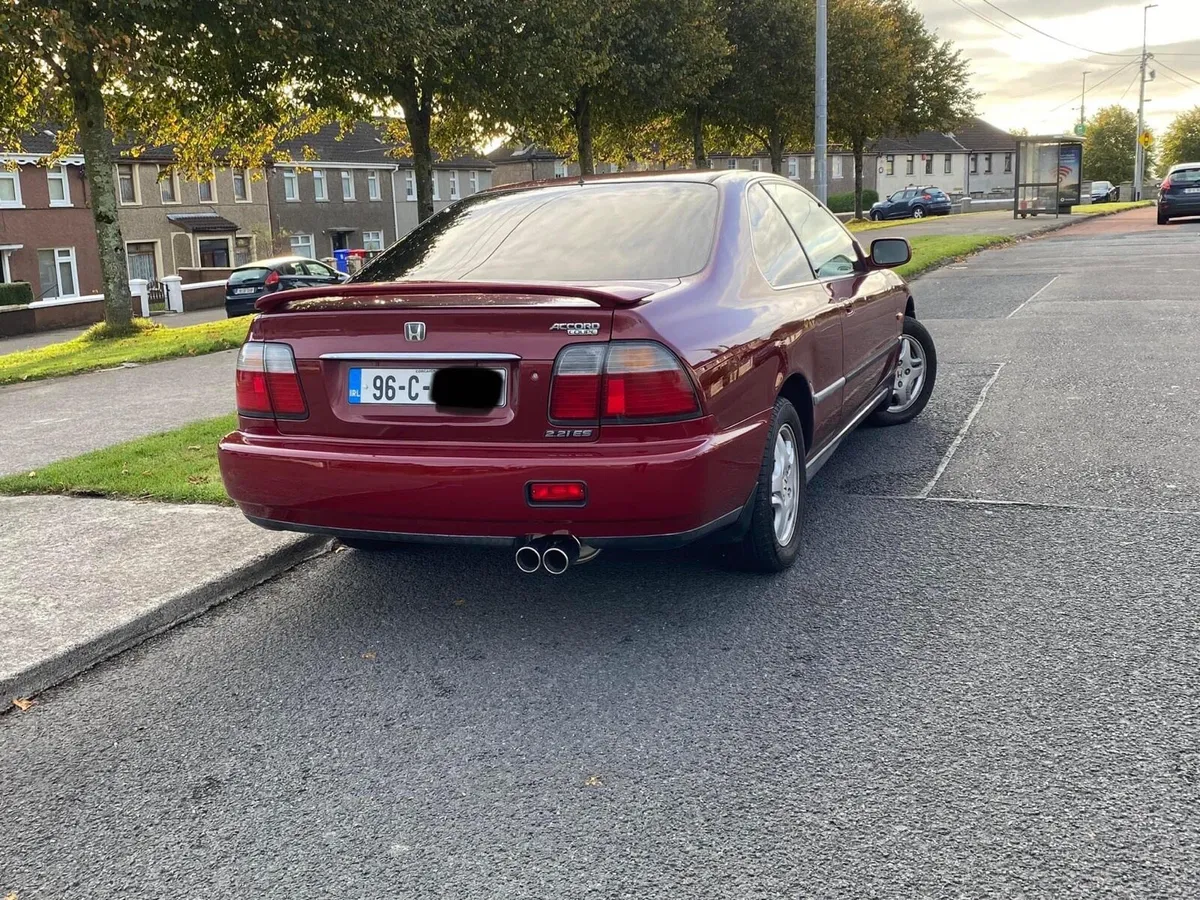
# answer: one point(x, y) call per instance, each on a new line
point(560, 555)
point(529, 558)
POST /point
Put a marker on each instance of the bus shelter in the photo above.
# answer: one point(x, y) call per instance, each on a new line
point(1049, 175)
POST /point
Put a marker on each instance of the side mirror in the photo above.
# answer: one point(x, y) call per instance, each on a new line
point(888, 253)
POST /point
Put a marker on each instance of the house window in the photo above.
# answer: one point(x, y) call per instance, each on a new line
point(909, 164)
point(208, 190)
point(373, 185)
point(837, 166)
point(891, 164)
point(929, 164)
point(372, 240)
point(793, 167)
point(243, 250)
point(141, 259)
point(214, 253)
point(974, 163)
point(57, 273)
point(474, 182)
point(10, 189)
point(168, 187)
point(320, 186)
point(347, 185)
point(987, 164)
point(454, 185)
point(731, 163)
point(60, 188)
point(291, 185)
point(241, 185)
point(410, 185)
point(947, 164)
point(437, 191)
point(560, 168)
point(126, 183)
point(1007, 163)
point(301, 244)
point(756, 165)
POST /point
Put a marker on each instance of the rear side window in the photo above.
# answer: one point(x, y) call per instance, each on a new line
point(589, 232)
point(830, 248)
point(245, 276)
point(776, 249)
point(1185, 176)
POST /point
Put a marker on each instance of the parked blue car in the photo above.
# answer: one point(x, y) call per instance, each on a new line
point(914, 202)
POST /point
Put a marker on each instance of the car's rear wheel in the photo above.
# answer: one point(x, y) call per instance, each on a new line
point(918, 212)
point(1163, 218)
point(913, 378)
point(773, 539)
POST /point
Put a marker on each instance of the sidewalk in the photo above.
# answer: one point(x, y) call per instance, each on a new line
point(82, 580)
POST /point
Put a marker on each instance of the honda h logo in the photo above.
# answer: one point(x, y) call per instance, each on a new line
point(414, 331)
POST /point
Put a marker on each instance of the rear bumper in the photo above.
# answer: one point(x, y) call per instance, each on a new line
point(240, 306)
point(652, 495)
point(1174, 206)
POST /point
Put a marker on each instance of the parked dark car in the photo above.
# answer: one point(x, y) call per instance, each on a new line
point(1105, 192)
point(633, 361)
point(249, 282)
point(912, 202)
point(1179, 193)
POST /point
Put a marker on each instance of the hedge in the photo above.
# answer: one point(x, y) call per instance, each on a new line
point(841, 203)
point(15, 293)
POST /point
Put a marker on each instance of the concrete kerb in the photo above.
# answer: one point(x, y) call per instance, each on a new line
point(185, 605)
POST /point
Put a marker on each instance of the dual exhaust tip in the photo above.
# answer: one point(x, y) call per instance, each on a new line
point(554, 554)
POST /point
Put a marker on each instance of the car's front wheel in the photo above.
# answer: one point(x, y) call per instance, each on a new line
point(912, 380)
point(876, 215)
point(773, 539)
point(918, 212)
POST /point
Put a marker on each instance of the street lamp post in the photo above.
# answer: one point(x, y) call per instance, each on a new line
point(821, 119)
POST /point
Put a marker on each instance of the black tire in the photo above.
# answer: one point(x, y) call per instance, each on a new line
point(882, 416)
point(1163, 219)
point(876, 216)
point(366, 544)
point(760, 550)
point(918, 212)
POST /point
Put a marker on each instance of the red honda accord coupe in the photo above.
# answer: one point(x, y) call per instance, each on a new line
point(638, 361)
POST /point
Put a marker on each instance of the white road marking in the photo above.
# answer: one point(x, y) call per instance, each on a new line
point(1034, 297)
point(962, 433)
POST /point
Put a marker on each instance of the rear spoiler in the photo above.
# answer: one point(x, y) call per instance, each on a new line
point(607, 296)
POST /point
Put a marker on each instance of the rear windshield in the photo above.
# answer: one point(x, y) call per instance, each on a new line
point(244, 276)
point(589, 232)
point(1185, 176)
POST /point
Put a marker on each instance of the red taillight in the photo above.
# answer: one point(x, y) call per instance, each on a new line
point(575, 388)
point(1166, 185)
point(557, 492)
point(267, 382)
point(926, 197)
point(621, 382)
point(272, 279)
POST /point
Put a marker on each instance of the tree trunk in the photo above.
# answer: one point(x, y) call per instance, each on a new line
point(775, 148)
point(95, 140)
point(858, 177)
point(418, 119)
point(699, 157)
point(582, 116)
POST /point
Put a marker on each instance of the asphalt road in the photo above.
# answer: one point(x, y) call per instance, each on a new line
point(980, 681)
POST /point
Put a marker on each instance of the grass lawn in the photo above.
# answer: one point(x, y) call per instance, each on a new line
point(867, 225)
point(152, 342)
point(179, 466)
point(935, 250)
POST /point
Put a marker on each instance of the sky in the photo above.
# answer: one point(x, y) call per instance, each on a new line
point(1027, 80)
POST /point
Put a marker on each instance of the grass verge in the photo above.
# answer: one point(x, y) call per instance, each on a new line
point(1104, 209)
point(151, 342)
point(935, 250)
point(178, 466)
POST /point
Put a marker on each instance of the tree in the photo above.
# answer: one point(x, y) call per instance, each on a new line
point(768, 98)
point(602, 74)
point(1108, 146)
point(1181, 142)
point(203, 77)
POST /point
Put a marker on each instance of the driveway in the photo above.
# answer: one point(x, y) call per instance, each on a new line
point(980, 680)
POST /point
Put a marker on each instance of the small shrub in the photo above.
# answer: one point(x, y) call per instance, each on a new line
point(844, 203)
point(102, 332)
point(15, 293)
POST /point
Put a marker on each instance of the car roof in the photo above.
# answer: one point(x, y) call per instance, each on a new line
point(276, 261)
point(1179, 166)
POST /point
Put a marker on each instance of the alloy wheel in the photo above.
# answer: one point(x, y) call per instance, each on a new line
point(785, 485)
point(910, 375)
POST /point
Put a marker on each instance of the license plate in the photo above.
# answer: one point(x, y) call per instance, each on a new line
point(245, 290)
point(1191, 190)
point(399, 387)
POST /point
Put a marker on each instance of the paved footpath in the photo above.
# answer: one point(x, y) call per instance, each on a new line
point(980, 680)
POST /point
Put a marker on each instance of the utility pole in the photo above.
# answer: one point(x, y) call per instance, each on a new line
point(1139, 158)
point(821, 138)
point(1083, 100)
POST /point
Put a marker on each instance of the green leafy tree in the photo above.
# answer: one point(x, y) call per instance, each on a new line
point(1108, 146)
point(1181, 142)
point(203, 77)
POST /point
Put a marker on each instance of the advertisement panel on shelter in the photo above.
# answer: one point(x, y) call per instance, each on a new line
point(1070, 179)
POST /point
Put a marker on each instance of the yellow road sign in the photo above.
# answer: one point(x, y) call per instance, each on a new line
point(1146, 139)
